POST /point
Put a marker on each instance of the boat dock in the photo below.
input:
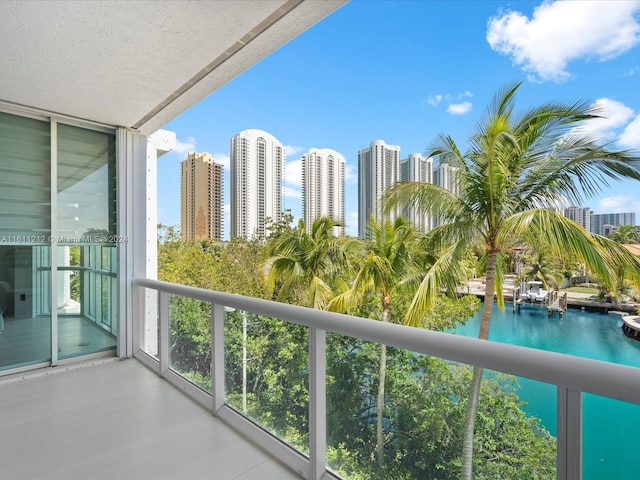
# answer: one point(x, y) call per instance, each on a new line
point(555, 302)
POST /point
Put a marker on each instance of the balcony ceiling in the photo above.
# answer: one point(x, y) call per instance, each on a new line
point(140, 63)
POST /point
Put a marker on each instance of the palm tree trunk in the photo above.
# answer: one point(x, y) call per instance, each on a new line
point(476, 379)
point(380, 405)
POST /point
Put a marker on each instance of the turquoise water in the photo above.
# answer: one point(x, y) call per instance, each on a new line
point(611, 429)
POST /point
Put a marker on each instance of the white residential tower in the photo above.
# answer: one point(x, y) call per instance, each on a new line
point(378, 169)
point(323, 177)
point(416, 168)
point(257, 169)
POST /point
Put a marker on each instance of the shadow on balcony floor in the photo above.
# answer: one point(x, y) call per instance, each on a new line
point(118, 420)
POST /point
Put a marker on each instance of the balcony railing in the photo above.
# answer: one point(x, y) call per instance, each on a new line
point(225, 391)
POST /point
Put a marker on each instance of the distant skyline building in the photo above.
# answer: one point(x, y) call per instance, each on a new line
point(323, 180)
point(416, 168)
point(257, 161)
point(580, 215)
point(599, 220)
point(444, 175)
point(200, 198)
point(378, 169)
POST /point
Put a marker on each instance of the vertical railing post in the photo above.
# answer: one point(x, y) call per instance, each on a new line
point(569, 443)
point(317, 403)
point(164, 333)
point(217, 357)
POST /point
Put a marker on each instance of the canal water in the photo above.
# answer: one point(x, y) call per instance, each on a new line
point(611, 429)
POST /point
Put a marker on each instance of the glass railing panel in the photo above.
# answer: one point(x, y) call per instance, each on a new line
point(267, 373)
point(423, 416)
point(609, 435)
point(190, 339)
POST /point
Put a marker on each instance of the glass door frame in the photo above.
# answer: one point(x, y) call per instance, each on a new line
point(121, 156)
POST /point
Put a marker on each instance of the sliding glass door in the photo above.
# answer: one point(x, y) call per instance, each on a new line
point(57, 214)
point(87, 239)
point(25, 230)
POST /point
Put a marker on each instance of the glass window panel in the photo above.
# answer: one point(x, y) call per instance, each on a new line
point(86, 225)
point(25, 222)
point(25, 302)
point(25, 185)
point(86, 177)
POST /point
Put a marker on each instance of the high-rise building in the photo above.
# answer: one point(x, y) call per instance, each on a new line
point(323, 176)
point(416, 168)
point(257, 170)
point(201, 198)
point(378, 169)
point(444, 175)
point(599, 220)
point(580, 215)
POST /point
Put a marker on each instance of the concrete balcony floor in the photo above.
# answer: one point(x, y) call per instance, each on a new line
point(118, 420)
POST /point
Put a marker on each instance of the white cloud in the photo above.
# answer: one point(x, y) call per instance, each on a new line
point(293, 173)
point(618, 204)
point(291, 192)
point(222, 159)
point(292, 150)
point(459, 108)
point(630, 137)
point(614, 115)
point(562, 31)
point(633, 71)
point(350, 174)
point(434, 99)
point(189, 145)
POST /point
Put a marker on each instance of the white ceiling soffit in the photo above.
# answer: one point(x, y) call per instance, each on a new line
point(140, 63)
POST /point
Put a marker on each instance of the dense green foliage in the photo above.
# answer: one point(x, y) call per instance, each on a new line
point(626, 234)
point(425, 408)
point(517, 169)
point(424, 399)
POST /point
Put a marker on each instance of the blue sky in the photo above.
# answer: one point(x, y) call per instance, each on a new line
point(406, 71)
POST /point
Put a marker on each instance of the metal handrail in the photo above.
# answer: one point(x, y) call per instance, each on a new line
point(576, 373)
point(572, 375)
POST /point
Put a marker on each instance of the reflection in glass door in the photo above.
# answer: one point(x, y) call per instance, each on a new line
point(68, 230)
point(25, 229)
point(26, 320)
point(87, 246)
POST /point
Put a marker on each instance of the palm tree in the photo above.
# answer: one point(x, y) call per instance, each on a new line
point(385, 264)
point(626, 234)
point(538, 265)
point(517, 169)
point(300, 260)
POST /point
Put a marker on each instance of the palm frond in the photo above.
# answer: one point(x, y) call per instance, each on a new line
point(445, 273)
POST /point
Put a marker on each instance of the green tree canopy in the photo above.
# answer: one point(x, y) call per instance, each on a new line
point(626, 234)
point(518, 167)
point(305, 264)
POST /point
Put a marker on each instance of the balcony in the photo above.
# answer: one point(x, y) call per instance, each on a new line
point(145, 419)
point(117, 419)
